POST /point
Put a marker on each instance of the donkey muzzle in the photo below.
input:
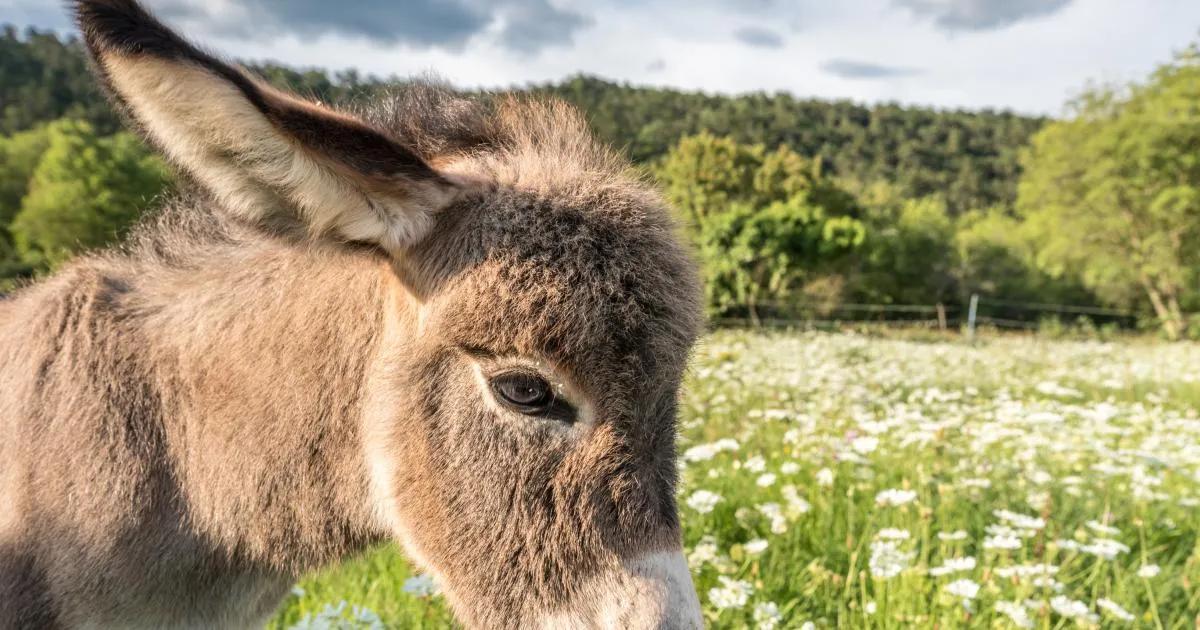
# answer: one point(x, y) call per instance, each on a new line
point(650, 592)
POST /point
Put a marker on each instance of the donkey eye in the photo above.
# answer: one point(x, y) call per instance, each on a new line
point(523, 392)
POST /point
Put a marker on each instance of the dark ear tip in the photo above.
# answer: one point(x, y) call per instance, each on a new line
point(124, 26)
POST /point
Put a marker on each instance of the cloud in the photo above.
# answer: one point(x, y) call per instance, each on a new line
point(850, 69)
point(759, 37)
point(524, 26)
point(658, 65)
point(981, 15)
point(530, 25)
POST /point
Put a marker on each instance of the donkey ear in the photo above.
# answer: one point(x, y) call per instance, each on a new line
point(269, 157)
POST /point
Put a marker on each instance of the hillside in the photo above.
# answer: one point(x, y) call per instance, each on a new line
point(970, 158)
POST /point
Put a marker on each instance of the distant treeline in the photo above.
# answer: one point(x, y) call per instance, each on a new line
point(970, 158)
point(794, 205)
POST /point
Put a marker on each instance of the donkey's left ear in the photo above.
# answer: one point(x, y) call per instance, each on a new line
point(269, 157)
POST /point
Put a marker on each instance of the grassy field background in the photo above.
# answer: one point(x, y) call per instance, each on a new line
point(860, 482)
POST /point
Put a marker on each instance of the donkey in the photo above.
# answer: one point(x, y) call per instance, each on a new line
point(459, 324)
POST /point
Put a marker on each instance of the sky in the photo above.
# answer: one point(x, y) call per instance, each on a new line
point(1030, 56)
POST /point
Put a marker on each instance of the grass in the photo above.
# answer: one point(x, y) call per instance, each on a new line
point(854, 482)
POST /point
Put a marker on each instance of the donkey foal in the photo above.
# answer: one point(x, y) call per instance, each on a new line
point(457, 324)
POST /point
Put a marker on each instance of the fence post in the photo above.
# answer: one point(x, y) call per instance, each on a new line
point(941, 313)
point(971, 315)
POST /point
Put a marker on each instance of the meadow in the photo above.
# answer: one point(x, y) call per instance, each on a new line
point(841, 480)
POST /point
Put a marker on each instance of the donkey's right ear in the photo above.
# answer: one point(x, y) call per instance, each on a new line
point(269, 157)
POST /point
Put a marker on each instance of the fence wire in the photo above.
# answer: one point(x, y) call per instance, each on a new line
point(990, 312)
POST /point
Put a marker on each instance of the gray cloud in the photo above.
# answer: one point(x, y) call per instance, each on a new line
point(981, 15)
point(531, 24)
point(658, 65)
point(525, 26)
point(850, 69)
point(758, 36)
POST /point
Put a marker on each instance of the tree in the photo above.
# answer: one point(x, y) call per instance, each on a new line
point(705, 175)
point(19, 156)
point(764, 222)
point(908, 256)
point(43, 78)
point(751, 256)
point(85, 192)
point(1114, 192)
point(997, 256)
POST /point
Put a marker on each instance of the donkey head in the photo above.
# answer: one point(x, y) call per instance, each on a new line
point(519, 417)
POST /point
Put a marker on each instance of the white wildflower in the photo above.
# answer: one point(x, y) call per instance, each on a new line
point(1149, 571)
point(703, 501)
point(755, 464)
point(953, 536)
point(755, 547)
point(1026, 571)
point(865, 445)
point(824, 477)
point(966, 589)
point(1068, 545)
point(1073, 609)
point(422, 585)
point(894, 497)
point(699, 453)
point(705, 551)
point(730, 594)
point(1105, 548)
point(789, 468)
point(1002, 541)
point(795, 504)
point(1020, 521)
point(891, 533)
point(1016, 613)
point(774, 513)
point(1101, 528)
point(888, 560)
point(953, 565)
point(1114, 609)
point(767, 615)
point(765, 480)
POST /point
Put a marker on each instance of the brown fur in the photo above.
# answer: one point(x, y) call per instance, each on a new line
point(190, 422)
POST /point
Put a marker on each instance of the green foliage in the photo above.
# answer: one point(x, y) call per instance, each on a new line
point(908, 257)
point(754, 255)
point(43, 78)
point(763, 222)
point(970, 158)
point(997, 255)
point(1113, 193)
point(19, 156)
point(85, 192)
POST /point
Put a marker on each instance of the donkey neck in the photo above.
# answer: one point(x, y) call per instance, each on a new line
point(261, 354)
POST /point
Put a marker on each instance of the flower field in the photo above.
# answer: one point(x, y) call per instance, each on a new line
point(857, 482)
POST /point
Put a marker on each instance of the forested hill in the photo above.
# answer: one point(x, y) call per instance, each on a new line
point(969, 158)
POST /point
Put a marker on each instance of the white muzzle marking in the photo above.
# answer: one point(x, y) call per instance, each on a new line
point(653, 591)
